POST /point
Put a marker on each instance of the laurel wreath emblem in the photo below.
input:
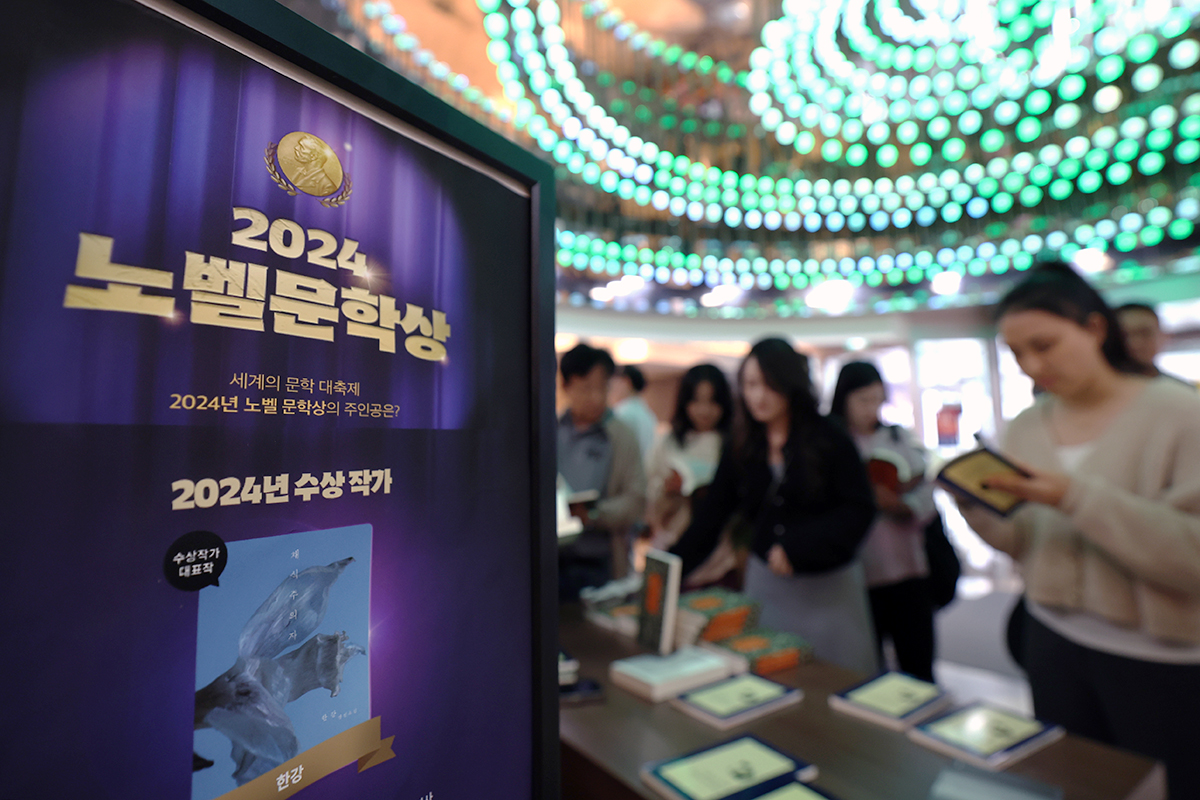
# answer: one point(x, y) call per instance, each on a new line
point(271, 160)
point(342, 196)
point(275, 176)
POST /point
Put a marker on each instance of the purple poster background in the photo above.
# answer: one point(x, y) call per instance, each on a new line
point(122, 124)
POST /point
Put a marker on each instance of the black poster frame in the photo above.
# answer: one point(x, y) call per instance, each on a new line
point(289, 36)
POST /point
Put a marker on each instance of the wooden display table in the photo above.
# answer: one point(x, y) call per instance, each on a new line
point(605, 744)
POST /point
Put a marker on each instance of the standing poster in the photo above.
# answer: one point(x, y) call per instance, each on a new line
point(266, 429)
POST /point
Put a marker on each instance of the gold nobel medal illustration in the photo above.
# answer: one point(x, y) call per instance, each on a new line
point(308, 165)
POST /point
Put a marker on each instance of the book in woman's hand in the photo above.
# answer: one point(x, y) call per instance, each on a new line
point(967, 475)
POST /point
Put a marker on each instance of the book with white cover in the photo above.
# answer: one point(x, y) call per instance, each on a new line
point(894, 699)
point(739, 769)
point(737, 700)
point(658, 678)
point(985, 736)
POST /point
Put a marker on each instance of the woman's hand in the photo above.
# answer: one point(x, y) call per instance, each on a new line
point(673, 483)
point(1047, 488)
point(777, 561)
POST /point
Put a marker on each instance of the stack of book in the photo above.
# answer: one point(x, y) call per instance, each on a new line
point(568, 669)
point(713, 614)
point(658, 678)
point(743, 768)
point(766, 651)
point(615, 605)
point(894, 700)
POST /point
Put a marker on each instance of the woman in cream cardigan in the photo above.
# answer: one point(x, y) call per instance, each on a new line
point(1109, 542)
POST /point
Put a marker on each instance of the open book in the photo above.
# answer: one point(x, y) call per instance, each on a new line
point(966, 474)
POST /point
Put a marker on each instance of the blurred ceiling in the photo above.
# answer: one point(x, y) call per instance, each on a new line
point(726, 160)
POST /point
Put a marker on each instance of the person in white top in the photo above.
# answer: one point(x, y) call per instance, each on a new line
point(625, 397)
point(1109, 540)
point(683, 462)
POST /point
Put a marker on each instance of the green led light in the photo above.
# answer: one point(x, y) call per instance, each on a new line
point(1142, 48)
point(1037, 102)
point(1119, 173)
point(1189, 127)
point(988, 187)
point(1126, 241)
point(1030, 196)
point(1158, 140)
point(920, 154)
point(1029, 129)
point(915, 275)
point(992, 140)
point(1071, 87)
point(1069, 168)
point(1041, 174)
point(856, 155)
point(1109, 68)
point(831, 151)
point(1096, 159)
point(1067, 116)
point(1089, 182)
point(954, 149)
point(1002, 203)
point(939, 128)
point(1151, 163)
point(1180, 229)
point(1187, 152)
point(970, 122)
point(1126, 150)
point(887, 155)
point(1061, 189)
point(1151, 235)
point(1007, 112)
point(1147, 78)
point(805, 142)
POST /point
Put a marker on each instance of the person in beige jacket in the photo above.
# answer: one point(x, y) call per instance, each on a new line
point(1109, 541)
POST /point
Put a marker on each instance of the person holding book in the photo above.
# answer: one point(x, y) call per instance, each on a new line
point(893, 555)
point(598, 454)
point(797, 480)
point(684, 461)
point(1109, 536)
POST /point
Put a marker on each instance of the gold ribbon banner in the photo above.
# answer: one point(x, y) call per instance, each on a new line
point(362, 743)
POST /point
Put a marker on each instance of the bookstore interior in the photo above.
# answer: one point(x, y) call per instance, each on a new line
point(816, 382)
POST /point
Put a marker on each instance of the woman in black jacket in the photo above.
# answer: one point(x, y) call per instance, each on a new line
point(798, 479)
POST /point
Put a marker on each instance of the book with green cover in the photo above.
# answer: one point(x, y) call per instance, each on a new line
point(737, 700)
point(985, 736)
point(742, 768)
point(768, 651)
point(713, 614)
point(894, 699)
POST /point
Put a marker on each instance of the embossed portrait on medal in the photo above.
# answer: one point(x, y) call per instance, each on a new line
point(310, 164)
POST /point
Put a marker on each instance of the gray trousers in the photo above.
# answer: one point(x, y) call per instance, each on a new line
point(829, 609)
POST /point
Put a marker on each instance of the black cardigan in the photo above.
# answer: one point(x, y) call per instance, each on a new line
point(820, 528)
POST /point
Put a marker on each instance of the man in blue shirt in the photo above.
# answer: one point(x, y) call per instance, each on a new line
point(596, 453)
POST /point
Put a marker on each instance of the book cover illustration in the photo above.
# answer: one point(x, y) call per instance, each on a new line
point(746, 766)
point(280, 655)
point(768, 651)
point(894, 694)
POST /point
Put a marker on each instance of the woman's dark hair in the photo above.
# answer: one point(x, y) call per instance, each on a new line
point(786, 372)
point(636, 379)
point(1055, 288)
point(722, 396)
point(854, 376)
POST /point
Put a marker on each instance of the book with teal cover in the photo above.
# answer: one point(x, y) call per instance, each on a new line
point(740, 769)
